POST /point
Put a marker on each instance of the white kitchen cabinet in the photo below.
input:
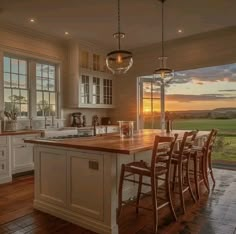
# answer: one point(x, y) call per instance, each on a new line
point(90, 84)
point(112, 129)
point(21, 154)
point(22, 158)
point(5, 172)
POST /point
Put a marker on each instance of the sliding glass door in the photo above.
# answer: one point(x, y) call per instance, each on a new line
point(149, 103)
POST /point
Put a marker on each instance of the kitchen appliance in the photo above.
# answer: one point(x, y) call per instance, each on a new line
point(76, 119)
point(105, 120)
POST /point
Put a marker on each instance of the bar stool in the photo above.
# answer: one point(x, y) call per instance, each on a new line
point(159, 168)
point(209, 169)
point(181, 159)
point(199, 157)
point(202, 162)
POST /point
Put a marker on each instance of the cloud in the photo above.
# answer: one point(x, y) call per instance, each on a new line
point(227, 90)
point(208, 74)
point(193, 98)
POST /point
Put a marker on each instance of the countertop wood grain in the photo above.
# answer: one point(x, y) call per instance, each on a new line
point(141, 141)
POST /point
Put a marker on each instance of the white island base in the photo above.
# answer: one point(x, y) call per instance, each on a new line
point(81, 186)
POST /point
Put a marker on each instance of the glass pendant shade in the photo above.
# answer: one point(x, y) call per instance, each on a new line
point(119, 61)
point(163, 73)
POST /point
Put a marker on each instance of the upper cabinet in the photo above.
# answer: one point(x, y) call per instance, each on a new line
point(90, 84)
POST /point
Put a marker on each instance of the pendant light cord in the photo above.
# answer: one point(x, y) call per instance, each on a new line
point(118, 23)
point(162, 34)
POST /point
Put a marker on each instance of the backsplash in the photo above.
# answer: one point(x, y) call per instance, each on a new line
point(89, 113)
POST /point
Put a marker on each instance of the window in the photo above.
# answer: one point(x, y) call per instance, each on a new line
point(85, 89)
point(96, 90)
point(107, 91)
point(96, 62)
point(45, 89)
point(15, 86)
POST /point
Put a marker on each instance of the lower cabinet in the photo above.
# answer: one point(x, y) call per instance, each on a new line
point(71, 179)
point(5, 173)
point(21, 154)
point(22, 158)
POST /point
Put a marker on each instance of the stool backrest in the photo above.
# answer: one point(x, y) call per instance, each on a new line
point(162, 149)
point(210, 141)
point(187, 144)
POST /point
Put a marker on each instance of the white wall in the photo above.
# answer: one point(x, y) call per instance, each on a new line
point(208, 49)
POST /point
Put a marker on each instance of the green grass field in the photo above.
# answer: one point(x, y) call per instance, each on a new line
point(225, 147)
point(225, 126)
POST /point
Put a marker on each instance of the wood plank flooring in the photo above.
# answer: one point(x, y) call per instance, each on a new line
point(214, 214)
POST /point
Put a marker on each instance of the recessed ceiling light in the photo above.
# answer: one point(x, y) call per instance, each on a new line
point(32, 20)
point(180, 31)
point(66, 33)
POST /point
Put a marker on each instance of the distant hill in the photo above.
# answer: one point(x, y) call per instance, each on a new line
point(218, 113)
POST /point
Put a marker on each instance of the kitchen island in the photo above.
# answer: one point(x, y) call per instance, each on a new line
point(77, 179)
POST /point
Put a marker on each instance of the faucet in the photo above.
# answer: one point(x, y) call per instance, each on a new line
point(45, 123)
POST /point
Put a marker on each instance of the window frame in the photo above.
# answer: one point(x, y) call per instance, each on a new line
point(31, 81)
point(11, 88)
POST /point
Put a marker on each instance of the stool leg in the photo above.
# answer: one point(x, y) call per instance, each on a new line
point(180, 180)
point(205, 172)
point(188, 181)
point(174, 177)
point(168, 191)
point(196, 176)
point(154, 203)
point(139, 192)
point(122, 173)
point(211, 171)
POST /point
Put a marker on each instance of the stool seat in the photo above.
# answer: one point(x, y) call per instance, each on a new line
point(141, 167)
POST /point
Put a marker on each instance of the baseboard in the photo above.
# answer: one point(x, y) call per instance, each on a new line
point(5, 180)
point(25, 173)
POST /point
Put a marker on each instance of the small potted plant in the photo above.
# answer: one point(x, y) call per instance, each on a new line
point(11, 122)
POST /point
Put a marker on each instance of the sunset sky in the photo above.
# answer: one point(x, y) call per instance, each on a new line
point(198, 89)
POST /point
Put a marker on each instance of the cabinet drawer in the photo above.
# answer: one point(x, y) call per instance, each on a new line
point(3, 140)
point(3, 167)
point(3, 153)
point(111, 129)
point(19, 140)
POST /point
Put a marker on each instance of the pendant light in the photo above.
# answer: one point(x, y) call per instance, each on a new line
point(163, 73)
point(119, 61)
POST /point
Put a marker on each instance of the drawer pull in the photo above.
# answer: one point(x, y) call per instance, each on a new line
point(3, 166)
point(2, 152)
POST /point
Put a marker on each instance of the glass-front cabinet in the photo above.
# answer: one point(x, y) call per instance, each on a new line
point(90, 84)
point(96, 90)
point(95, 81)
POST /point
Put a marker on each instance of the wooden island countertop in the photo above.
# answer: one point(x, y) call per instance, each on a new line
point(141, 141)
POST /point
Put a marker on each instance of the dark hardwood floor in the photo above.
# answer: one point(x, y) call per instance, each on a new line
point(215, 213)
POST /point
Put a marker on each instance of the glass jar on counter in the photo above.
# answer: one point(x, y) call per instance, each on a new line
point(126, 128)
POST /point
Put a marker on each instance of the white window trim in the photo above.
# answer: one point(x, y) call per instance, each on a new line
point(31, 79)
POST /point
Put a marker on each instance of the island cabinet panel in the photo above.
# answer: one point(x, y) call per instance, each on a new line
point(86, 184)
point(51, 177)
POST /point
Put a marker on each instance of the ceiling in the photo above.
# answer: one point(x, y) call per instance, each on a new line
point(96, 20)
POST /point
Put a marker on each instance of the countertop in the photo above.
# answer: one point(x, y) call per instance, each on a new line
point(141, 141)
point(20, 132)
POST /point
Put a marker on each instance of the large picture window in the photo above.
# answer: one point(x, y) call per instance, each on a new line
point(15, 86)
point(46, 89)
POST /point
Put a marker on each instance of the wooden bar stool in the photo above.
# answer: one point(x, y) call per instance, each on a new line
point(209, 169)
point(159, 168)
point(180, 160)
point(202, 162)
